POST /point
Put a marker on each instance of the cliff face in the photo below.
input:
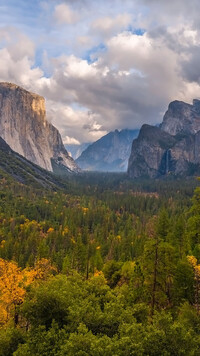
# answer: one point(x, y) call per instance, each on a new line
point(174, 148)
point(148, 152)
point(24, 127)
point(110, 153)
point(17, 168)
point(182, 118)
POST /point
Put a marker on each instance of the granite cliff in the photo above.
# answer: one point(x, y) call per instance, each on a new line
point(24, 127)
point(110, 153)
point(182, 118)
point(16, 168)
point(173, 148)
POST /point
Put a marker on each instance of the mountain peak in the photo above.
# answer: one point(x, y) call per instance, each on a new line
point(182, 118)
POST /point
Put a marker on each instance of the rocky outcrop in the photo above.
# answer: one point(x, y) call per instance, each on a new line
point(173, 148)
point(24, 127)
point(182, 118)
point(110, 153)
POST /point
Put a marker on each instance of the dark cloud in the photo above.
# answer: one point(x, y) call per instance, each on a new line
point(190, 67)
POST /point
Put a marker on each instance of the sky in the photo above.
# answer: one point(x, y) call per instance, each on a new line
point(102, 65)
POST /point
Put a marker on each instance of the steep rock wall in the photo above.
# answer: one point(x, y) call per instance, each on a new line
point(23, 125)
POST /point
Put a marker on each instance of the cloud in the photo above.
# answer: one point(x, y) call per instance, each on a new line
point(70, 141)
point(84, 41)
point(190, 66)
point(112, 67)
point(117, 86)
point(19, 72)
point(128, 85)
point(17, 59)
point(78, 68)
point(108, 25)
point(65, 15)
point(78, 122)
point(131, 83)
point(18, 44)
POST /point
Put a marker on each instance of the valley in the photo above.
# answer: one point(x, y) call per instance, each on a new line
point(99, 178)
point(80, 261)
point(98, 263)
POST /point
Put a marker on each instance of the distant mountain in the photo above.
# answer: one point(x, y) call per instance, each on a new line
point(110, 153)
point(76, 150)
point(23, 125)
point(171, 149)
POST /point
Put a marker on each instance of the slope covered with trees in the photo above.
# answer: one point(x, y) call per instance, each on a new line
point(103, 267)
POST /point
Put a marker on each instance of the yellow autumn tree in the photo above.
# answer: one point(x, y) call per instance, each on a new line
point(196, 268)
point(13, 285)
point(43, 269)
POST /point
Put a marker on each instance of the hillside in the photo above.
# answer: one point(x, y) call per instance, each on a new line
point(15, 167)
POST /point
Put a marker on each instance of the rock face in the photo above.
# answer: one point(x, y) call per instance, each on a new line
point(173, 148)
point(17, 168)
point(182, 118)
point(110, 153)
point(24, 127)
point(149, 151)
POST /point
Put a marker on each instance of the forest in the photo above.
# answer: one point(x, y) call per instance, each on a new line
point(100, 266)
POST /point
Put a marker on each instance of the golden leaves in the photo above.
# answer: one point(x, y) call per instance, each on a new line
point(14, 282)
point(51, 229)
point(192, 260)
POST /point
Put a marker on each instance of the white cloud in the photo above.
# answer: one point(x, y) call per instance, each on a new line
point(17, 44)
point(78, 68)
point(108, 25)
point(65, 15)
point(79, 123)
point(70, 141)
point(18, 71)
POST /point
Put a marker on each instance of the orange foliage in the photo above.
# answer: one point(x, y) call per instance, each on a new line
point(98, 273)
point(51, 229)
point(43, 269)
point(192, 260)
point(13, 284)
